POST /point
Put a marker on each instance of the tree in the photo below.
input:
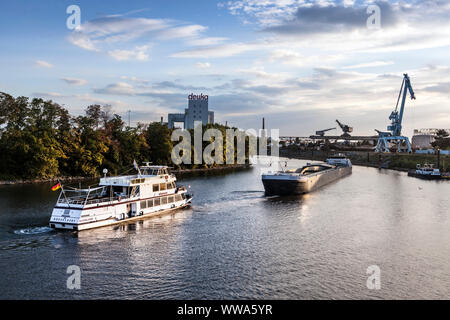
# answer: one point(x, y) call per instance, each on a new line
point(159, 142)
point(442, 140)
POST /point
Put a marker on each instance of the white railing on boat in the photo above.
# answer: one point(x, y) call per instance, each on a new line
point(91, 201)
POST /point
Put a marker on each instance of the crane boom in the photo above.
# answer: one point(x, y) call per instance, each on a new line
point(322, 132)
point(397, 116)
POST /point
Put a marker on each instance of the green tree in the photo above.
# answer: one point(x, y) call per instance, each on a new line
point(159, 142)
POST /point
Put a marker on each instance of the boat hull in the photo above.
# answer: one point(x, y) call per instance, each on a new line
point(425, 176)
point(280, 185)
point(79, 226)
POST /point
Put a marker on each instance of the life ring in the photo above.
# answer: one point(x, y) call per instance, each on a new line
point(167, 177)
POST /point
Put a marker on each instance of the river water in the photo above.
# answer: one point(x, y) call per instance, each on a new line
point(234, 243)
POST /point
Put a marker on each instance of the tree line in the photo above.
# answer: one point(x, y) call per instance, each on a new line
point(40, 140)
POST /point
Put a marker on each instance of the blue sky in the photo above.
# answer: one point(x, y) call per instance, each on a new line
point(299, 63)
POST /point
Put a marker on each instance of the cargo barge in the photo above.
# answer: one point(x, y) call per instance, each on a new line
point(308, 178)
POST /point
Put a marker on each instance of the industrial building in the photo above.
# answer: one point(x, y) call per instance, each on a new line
point(423, 138)
point(197, 111)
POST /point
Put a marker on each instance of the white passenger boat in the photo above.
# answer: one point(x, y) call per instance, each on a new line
point(153, 191)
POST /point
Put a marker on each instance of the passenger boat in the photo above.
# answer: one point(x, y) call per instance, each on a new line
point(152, 191)
point(307, 178)
point(427, 171)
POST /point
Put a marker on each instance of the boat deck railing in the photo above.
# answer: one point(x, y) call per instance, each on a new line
point(84, 201)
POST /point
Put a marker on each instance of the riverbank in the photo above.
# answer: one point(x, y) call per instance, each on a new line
point(211, 171)
point(399, 162)
point(179, 172)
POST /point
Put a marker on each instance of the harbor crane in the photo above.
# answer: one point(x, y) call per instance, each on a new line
point(394, 133)
point(321, 133)
point(345, 128)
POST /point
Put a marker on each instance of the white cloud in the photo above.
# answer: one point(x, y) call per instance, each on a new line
point(263, 12)
point(44, 64)
point(107, 33)
point(82, 40)
point(207, 41)
point(48, 94)
point(119, 88)
point(134, 79)
point(220, 51)
point(74, 81)
point(189, 31)
point(203, 65)
point(341, 27)
point(369, 65)
point(139, 54)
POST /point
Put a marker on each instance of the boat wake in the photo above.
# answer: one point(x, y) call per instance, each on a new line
point(33, 230)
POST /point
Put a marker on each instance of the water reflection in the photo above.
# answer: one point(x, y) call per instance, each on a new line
point(236, 243)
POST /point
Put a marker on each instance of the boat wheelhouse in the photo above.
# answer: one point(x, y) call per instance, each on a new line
point(152, 191)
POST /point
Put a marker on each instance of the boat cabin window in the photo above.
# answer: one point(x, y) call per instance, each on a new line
point(118, 191)
point(156, 202)
point(162, 186)
point(143, 204)
point(155, 187)
point(178, 197)
point(162, 172)
point(171, 199)
point(135, 191)
point(164, 200)
point(183, 196)
point(150, 203)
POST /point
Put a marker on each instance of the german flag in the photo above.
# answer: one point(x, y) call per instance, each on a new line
point(56, 186)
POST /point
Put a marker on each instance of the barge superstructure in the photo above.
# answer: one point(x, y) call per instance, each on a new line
point(153, 191)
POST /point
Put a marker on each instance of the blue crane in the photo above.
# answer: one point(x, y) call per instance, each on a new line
point(394, 134)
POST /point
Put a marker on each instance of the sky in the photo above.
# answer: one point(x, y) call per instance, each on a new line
point(301, 64)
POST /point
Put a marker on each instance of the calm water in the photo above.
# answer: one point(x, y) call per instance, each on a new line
point(235, 243)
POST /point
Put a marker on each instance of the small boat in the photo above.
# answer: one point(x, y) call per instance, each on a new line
point(307, 178)
point(427, 171)
point(153, 191)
